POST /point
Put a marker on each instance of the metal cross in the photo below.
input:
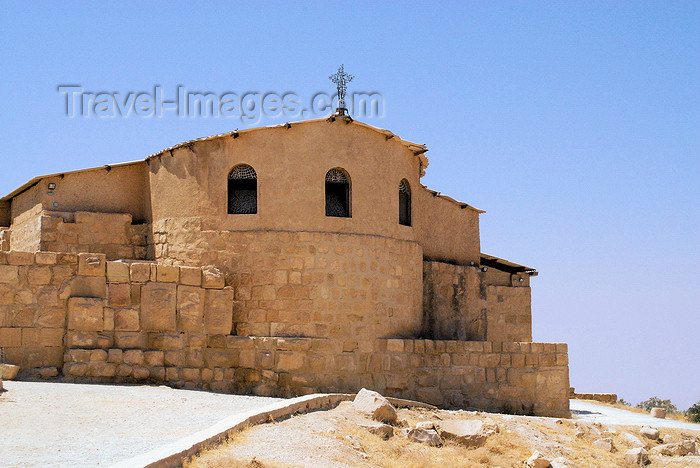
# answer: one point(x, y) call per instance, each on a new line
point(341, 80)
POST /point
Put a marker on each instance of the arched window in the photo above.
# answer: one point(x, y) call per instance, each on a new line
point(337, 193)
point(242, 190)
point(404, 203)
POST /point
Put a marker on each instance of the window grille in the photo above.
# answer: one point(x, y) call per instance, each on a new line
point(337, 194)
point(242, 190)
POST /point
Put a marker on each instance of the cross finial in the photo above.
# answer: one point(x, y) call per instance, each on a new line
point(341, 80)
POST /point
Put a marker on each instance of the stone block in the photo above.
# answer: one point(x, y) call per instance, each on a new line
point(119, 294)
point(166, 341)
point(140, 272)
point(290, 360)
point(126, 320)
point(212, 278)
point(191, 276)
point(158, 306)
point(140, 372)
point(172, 374)
point(75, 369)
point(174, 358)
point(221, 357)
point(98, 355)
point(167, 274)
point(88, 286)
point(50, 336)
point(9, 274)
point(85, 314)
point(115, 355)
point(190, 308)
point(395, 346)
point(11, 337)
point(218, 311)
point(30, 337)
point(134, 356)
point(39, 275)
point(45, 258)
point(124, 370)
point(154, 358)
point(102, 369)
point(117, 272)
point(191, 374)
point(92, 264)
point(129, 339)
point(20, 258)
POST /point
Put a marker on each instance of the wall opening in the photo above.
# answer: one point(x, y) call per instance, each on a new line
point(338, 194)
point(404, 203)
point(242, 190)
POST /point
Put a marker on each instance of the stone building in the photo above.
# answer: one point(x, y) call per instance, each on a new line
point(279, 260)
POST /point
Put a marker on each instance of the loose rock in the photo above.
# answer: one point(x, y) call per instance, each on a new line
point(631, 439)
point(649, 432)
point(425, 425)
point(48, 372)
point(425, 436)
point(679, 449)
point(561, 462)
point(658, 413)
point(668, 439)
point(637, 456)
point(382, 430)
point(376, 405)
point(605, 444)
point(471, 433)
point(537, 460)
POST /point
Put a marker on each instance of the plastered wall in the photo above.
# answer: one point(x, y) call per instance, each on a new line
point(291, 165)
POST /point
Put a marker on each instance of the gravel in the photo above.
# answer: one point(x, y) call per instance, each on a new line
point(66, 424)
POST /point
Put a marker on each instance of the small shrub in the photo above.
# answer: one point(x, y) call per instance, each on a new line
point(622, 401)
point(693, 413)
point(656, 402)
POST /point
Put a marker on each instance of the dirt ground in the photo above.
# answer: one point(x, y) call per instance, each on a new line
point(335, 438)
point(66, 424)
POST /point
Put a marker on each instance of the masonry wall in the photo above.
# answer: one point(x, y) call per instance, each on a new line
point(508, 306)
point(110, 233)
point(454, 306)
point(307, 283)
point(461, 302)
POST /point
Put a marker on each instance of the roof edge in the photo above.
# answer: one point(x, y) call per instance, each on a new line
point(452, 200)
point(32, 182)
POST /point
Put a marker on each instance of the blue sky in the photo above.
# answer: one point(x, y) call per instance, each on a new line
point(574, 124)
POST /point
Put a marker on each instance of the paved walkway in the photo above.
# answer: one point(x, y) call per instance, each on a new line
point(612, 416)
point(63, 424)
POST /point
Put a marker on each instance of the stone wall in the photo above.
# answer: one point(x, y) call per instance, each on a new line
point(313, 284)
point(34, 291)
point(523, 378)
point(453, 306)
point(461, 302)
point(508, 305)
point(110, 233)
point(100, 321)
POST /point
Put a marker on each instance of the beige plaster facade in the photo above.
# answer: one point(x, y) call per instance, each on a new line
point(299, 292)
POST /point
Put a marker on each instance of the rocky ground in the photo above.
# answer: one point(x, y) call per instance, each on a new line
point(367, 434)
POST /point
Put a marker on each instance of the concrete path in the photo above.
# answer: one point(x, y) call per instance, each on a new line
point(63, 424)
point(586, 411)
